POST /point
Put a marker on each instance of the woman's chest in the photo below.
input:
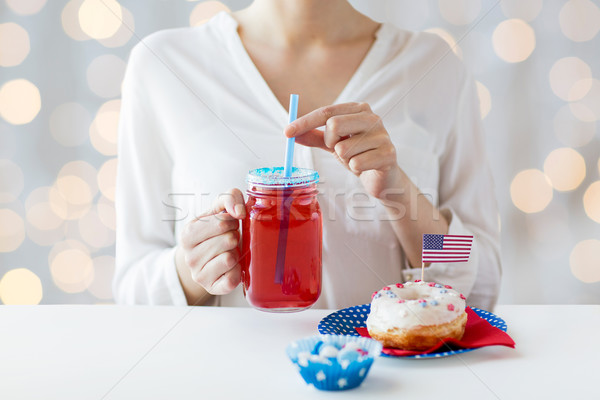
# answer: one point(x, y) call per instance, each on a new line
point(319, 76)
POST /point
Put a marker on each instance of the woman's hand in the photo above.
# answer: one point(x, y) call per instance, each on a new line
point(210, 248)
point(357, 137)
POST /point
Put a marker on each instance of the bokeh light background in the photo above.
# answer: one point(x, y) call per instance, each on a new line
point(537, 65)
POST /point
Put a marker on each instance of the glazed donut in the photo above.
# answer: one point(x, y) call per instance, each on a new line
point(416, 315)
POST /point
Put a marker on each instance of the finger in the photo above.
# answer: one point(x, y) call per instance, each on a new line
point(207, 227)
point(313, 138)
point(232, 202)
point(221, 274)
point(352, 124)
point(228, 281)
point(381, 158)
point(200, 255)
point(319, 117)
point(349, 147)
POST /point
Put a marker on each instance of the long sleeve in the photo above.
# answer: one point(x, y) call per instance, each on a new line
point(466, 197)
point(145, 253)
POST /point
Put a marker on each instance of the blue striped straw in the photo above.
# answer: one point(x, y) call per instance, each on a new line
point(289, 146)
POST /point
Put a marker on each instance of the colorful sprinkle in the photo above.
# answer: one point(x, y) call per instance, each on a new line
point(417, 280)
point(437, 285)
point(377, 295)
point(443, 291)
point(421, 300)
point(391, 294)
point(450, 307)
point(423, 304)
point(431, 284)
point(399, 285)
point(362, 352)
point(373, 295)
point(448, 286)
point(462, 296)
point(386, 288)
point(433, 302)
point(401, 301)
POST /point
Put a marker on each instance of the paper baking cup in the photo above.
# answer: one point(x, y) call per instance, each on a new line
point(330, 373)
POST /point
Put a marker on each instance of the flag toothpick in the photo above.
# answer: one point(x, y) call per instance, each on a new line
point(444, 249)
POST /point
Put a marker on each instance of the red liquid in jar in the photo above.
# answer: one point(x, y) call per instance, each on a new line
point(300, 285)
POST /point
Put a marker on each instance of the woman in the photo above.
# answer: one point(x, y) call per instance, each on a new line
point(388, 118)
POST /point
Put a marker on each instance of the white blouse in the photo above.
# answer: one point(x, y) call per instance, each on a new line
point(197, 115)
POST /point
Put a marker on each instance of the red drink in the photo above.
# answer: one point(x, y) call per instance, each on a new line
point(282, 241)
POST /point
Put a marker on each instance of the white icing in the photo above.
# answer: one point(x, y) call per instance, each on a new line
point(387, 313)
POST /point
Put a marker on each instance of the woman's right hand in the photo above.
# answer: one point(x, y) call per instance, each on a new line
point(210, 247)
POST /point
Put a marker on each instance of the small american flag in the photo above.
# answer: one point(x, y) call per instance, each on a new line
point(446, 248)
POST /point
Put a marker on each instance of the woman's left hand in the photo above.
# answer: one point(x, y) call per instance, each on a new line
point(357, 137)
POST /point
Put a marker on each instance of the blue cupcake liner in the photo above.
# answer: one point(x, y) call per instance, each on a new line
point(331, 373)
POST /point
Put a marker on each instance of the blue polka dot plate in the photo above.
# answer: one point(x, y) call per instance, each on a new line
point(343, 322)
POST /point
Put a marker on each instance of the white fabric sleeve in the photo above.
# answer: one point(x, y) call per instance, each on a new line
point(145, 270)
point(466, 196)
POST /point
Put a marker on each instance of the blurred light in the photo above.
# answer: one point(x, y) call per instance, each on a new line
point(105, 75)
point(68, 244)
point(565, 168)
point(43, 225)
point(20, 101)
point(513, 40)
point(100, 19)
point(25, 7)
point(460, 12)
point(14, 44)
point(485, 99)
point(591, 201)
point(104, 269)
point(69, 124)
point(588, 108)
point(205, 11)
point(579, 20)
point(41, 217)
point(12, 230)
point(107, 178)
point(525, 10)
point(70, 21)
point(585, 260)
point(74, 190)
point(72, 270)
point(580, 89)
point(448, 38)
point(94, 232)
point(103, 131)
point(75, 187)
point(582, 112)
point(20, 286)
point(125, 32)
point(11, 181)
point(531, 191)
point(106, 212)
point(82, 170)
point(64, 209)
point(570, 78)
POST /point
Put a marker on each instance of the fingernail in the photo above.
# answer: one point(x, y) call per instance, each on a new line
point(290, 130)
point(239, 210)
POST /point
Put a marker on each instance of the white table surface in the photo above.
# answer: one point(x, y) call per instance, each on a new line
point(116, 352)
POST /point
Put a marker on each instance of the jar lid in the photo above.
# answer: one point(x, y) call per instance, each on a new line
point(273, 177)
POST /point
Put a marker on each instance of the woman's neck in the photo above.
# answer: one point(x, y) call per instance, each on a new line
point(300, 23)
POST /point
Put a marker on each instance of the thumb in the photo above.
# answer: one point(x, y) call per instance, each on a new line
point(231, 202)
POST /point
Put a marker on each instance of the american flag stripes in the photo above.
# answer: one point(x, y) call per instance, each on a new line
point(446, 248)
